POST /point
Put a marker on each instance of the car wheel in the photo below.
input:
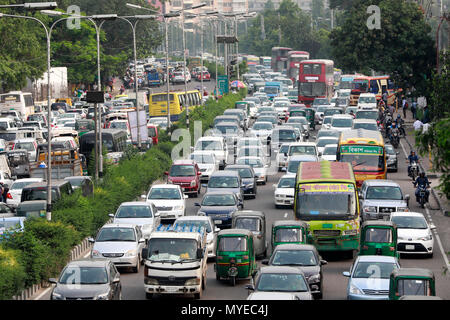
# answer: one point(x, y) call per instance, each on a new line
point(198, 296)
point(217, 276)
point(138, 265)
point(203, 283)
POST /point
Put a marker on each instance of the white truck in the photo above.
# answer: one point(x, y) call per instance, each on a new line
point(175, 261)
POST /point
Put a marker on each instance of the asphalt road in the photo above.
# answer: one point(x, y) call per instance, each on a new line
point(335, 283)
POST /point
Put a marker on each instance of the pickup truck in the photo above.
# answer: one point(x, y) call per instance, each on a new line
point(175, 261)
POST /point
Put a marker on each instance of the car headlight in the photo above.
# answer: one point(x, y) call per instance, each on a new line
point(151, 281)
point(201, 213)
point(370, 209)
point(130, 253)
point(103, 296)
point(350, 232)
point(314, 278)
point(280, 196)
point(193, 183)
point(96, 253)
point(427, 238)
point(57, 296)
point(355, 290)
point(178, 208)
point(402, 209)
point(192, 282)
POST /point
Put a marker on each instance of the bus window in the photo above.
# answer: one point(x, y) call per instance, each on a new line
point(374, 86)
point(28, 100)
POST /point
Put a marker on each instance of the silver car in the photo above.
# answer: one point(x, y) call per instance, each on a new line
point(121, 243)
point(143, 214)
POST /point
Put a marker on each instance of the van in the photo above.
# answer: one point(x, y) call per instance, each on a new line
point(38, 191)
point(367, 101)
point(214, 145)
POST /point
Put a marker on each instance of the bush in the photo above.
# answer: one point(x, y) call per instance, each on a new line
point(12, 273)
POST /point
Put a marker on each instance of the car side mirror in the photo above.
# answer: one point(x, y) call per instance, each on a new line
point(323, 262)
point(407, 197)
point(157, 214)
point(432, 226)
point(144, 253)
point(204, 185)
point(200, 253)
point(346, 274)
point(143, 197)
point(360, 195)
point(53, 280)
point(116, 279)
point(166, 173)
point(111, 215)
point(216, 229)
point(185, 196)
point(197, 204)
point(250, 287)
point(284, 169)
point(142, 240)
point(265, 262)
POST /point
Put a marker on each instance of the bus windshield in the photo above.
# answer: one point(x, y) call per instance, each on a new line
point(326, 201)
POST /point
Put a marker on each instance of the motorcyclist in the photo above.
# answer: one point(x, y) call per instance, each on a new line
point(394, 128)
point(422, 181)
point(412, 158)
point(400, 123)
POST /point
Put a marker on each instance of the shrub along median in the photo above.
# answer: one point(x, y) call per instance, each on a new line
point(43, 249)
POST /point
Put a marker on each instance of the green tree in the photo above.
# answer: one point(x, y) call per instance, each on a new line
point(401, 47)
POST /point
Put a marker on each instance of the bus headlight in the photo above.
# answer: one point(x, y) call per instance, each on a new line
point(193, 183)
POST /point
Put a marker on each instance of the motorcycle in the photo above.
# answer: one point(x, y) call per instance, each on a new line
point(402, 130)
point(422, 195)
point(395, 139)
point(414, 171)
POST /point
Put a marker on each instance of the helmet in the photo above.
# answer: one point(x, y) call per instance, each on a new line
point(422, 174)
point(399, 116)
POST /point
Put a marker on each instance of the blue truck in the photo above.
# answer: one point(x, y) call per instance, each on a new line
point(154, 78)
point(272, 89)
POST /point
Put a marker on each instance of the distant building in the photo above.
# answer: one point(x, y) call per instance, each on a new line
point(259, 5)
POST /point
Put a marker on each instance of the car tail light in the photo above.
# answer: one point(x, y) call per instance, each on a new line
point(9, 196)
point(245, 257)
point(391, 248)
point(219, 258)
point(365, 247)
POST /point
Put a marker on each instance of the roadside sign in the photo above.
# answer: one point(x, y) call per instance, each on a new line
point(223, 84)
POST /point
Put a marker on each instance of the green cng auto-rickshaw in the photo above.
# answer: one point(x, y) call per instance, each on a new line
point(255, 221)
point(235, 255)
point(310, 116)
point(289, 231)
point(378, 237)
point(411, 281)
point(84, 125)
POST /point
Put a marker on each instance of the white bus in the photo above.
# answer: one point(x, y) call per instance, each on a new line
point(20, 101)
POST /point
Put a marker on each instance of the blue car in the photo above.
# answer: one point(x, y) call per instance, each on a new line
point(220, 206)
point(369, 277)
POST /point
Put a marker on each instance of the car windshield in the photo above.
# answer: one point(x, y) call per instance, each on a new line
point(233, 244)
point(294, 257)
point(414, 287)
point(322, 109)
point(373, 270)
point(17, 185)
point(284, 148)
point(224, 129)
point(300, 150)
point(285, 135)
point(318, 101)
point(410, 222)
point(341, 123)
point(118, 125)
point(172, 250)
point(254, 163)
point(134, 212)
point(389, 149)
point(367, 115)
point(367, 100)
point(252, 224)
point(84, 275)
point(202, 158)
point(267, 119)
point(328, 133)
point(366, 126)
point(248, 143)
point(195, 223)
point(164, 193)
point(208, 145)
point(182, 171)
point(250, 152)
point(29, 146)
point(328, 203)
point(223, 182)
point(379, 235)
point(244, 172)
point(271, 90)
point(384, 193)
point(262, 126)
point(217, 200)
point(362, 162)
point(286, 183)
point(293, 166)
point(116, 234)
point(325, 141)
point(289, 282)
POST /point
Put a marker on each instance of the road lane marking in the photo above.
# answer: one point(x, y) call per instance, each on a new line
point(43, 293)
point(436, 234)
point(285, 214)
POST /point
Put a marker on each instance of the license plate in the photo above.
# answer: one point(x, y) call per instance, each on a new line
point(409, 247)
point(218, 221)
point(171, 289)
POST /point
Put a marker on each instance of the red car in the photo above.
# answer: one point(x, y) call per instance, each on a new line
point(206, 76)
point(186, 174)
point(153, 133)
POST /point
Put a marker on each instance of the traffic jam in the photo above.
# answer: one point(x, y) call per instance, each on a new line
point(305, 189)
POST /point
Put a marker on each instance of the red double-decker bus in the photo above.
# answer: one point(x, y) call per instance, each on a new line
point(279, 61)
point(294, 59)
point(316, 80)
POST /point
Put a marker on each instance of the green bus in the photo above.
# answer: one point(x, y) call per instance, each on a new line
point(326, 198)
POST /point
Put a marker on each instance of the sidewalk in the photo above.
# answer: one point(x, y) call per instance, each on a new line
point(425, 164)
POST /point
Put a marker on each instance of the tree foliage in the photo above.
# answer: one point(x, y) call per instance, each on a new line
point(401, 47)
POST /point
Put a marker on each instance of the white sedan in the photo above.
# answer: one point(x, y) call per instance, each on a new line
point(258, 166)
point(414, 233)
point(284, 191)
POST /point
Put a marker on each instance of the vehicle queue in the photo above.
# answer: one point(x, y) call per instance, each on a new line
point(334, 181)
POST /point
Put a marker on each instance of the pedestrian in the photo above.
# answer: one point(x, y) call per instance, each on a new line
point(417, 125)
point(414, 109)
point(426, 115)
point(385, 97)
point(122, 89)
point(405, 107)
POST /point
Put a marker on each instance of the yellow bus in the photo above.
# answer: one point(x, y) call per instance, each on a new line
point(157, 104)
point(364, 149)
point(326, 198)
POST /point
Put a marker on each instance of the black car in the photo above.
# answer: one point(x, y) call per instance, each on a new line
point(391, 158)
point(88, 279)
point(304, 257)
point(248, 178)
point(220, 206)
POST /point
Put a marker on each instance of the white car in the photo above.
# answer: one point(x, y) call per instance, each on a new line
point(326, 122)
point(367, 101)
point(282, 155)
point(168, 199)
point(258, 166)
point(28, 144)
point(262, 130)
point(252, 151)
point(143, 214)
point(367, 124)
point(216, 145)
point(71, 140)
point(302, 148)
point(15, 190)
point(207, 163)
point(284, 191)
point(341, 122)
point(323, 141)
point(414, 233)
point(329, 152)
point(208, 224)
point(295, 160)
